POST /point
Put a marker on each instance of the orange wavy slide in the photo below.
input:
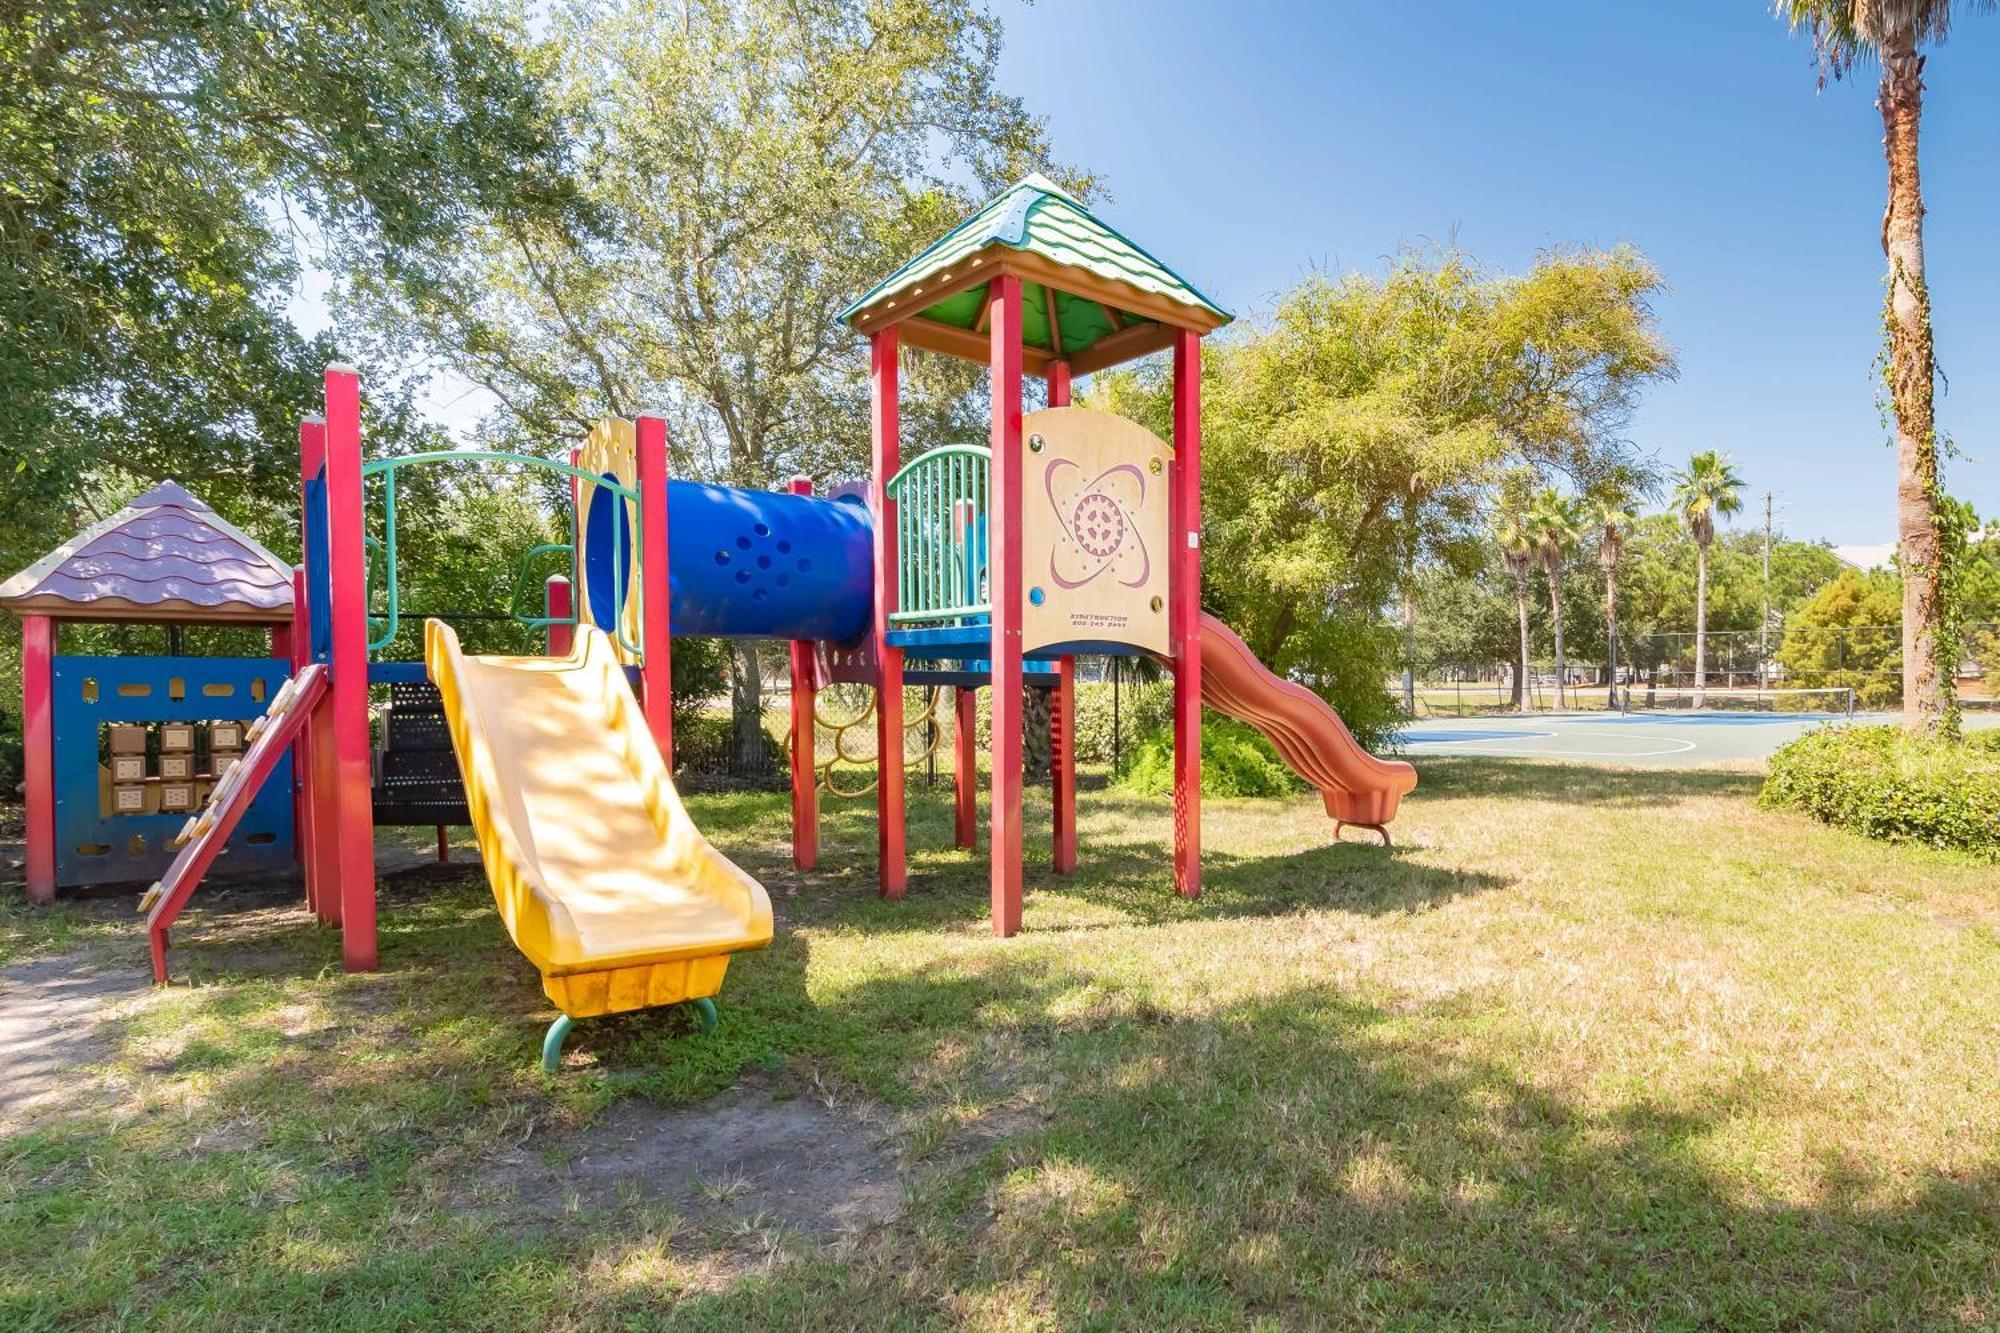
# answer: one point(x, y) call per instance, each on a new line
point(1358, 788)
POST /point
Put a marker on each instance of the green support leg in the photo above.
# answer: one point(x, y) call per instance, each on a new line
point(706, 1007)
point(553, 1043)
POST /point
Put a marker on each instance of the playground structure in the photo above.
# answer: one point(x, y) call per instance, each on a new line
point(1072, 531)
point(118, 750)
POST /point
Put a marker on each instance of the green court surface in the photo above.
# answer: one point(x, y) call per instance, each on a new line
point(1647, 740)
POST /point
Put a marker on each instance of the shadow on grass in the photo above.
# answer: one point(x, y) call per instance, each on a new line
point(1300, 1155)
point(1445, 777)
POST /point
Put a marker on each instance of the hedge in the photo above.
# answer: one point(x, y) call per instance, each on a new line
point(1886, 783)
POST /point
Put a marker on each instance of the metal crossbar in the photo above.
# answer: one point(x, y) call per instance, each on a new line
point(386, 468)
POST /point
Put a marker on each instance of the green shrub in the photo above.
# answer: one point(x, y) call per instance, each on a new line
point(1235, 761)
point(1141, 709)
point(1888, 784)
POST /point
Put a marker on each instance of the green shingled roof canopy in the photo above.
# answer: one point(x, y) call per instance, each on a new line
point(1104, 287)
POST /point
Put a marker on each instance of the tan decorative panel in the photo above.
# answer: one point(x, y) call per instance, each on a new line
point(1093, 531)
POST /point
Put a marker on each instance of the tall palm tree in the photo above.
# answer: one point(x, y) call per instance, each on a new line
point(1516, 540)
point(1707, 489)
point(1894, 31)
point(1609, 513)
point(1554, 525)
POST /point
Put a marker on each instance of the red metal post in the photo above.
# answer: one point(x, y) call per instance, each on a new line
point(965, 768)
point(353, 833)
point(1062, 708)
point(38, 753)
point(556, 606)
point(655, 630)
point(805, 773)
point(1058, 376)
point(1062, 765)
point(1184, 594)
point(886, 440)
point(1004, 578)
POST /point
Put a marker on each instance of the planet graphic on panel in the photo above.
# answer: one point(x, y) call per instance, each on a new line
point(1099, 520)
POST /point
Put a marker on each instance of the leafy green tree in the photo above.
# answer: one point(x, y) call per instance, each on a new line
point(1844, 635)
point(1554, 527)
point(762, 163)
point(1895, 32)
point(1982, 608)
point(159, 163)
point(1355, 434)
point(1706, 489)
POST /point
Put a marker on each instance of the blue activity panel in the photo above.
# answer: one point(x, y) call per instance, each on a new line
point(91, 693)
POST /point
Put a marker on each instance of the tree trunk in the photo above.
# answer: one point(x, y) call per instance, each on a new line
point(1611, 630)
point(1912, 384)
point(750, 750)
point(1700, 625)
point(1524, 687)
point(1409, 650)
point(1037, 710)
point(1556, 624)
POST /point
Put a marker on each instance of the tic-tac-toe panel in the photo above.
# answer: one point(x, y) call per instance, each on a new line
point(138, 741)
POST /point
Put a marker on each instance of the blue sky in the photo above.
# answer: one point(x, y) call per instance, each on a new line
point(1244, 142)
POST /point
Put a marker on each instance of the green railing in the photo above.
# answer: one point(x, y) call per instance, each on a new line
point(528, 618)
point(391, 614)
point(941, 505)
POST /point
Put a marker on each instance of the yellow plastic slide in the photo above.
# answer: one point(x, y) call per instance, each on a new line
point(602, 879)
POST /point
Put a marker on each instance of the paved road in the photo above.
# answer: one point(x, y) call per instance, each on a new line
point(1648, 740)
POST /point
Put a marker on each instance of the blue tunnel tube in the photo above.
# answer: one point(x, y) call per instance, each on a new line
point(746, 564)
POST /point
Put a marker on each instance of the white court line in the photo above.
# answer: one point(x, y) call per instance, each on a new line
point(1501, 752)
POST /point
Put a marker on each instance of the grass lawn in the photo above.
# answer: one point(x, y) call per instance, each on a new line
point(1590, 1048)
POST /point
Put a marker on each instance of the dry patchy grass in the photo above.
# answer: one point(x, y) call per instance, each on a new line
point(1588, 1048)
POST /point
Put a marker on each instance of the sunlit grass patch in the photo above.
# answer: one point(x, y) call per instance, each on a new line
point(1585, 1047)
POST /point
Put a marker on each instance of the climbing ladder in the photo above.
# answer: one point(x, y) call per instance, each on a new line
point(203, 836)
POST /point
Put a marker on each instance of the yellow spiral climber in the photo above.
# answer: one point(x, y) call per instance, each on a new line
point(852, 715)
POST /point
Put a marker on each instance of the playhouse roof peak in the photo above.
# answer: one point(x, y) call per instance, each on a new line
point(166, 556)
point(1091, 297)
point(169, 493)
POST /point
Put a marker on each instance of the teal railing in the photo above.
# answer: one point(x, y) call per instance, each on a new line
point(390, 616)
point(941, 506)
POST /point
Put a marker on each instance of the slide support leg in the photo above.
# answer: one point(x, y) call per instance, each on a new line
point(552, 1044)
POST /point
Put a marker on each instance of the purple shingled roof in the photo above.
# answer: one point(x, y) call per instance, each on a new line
point(165, 556)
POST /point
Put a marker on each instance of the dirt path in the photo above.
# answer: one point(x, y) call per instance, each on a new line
point(50, 1010)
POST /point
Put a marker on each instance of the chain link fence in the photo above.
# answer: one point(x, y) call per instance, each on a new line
point(1866, 659)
